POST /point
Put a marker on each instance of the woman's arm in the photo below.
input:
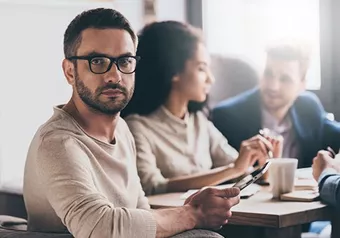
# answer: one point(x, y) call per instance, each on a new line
point(210, 178)
point(251, 150)
point(153, 181)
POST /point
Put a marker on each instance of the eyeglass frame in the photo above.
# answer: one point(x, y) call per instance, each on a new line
point(113, 60)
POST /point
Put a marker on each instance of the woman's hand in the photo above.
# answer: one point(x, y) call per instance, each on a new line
point(252, 150)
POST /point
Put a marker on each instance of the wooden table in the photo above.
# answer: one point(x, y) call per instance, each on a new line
point(261, 216)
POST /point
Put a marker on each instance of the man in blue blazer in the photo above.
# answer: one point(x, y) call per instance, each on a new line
point(281, 104)
point(326, 171)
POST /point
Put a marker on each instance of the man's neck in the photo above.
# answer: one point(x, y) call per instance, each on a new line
point(96, 124)
point(279, 114)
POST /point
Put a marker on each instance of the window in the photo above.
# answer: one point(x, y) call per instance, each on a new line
point(32, 81)
point(243, 28)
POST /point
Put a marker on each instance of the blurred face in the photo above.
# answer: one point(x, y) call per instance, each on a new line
point(107, 92)
point(281, 83)
point(195, 81)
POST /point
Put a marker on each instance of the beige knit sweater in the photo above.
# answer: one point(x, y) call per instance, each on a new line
point(169, 147)
point(77, 183)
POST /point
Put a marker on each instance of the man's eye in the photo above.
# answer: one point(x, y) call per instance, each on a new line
point(98, 61)
point(125, 61)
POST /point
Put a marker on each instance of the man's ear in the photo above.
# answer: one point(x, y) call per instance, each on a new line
point(176, 78)
point(69, 71)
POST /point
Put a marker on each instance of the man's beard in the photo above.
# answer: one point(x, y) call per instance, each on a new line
point(111, 107)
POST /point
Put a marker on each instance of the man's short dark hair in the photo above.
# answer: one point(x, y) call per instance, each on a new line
point(100, 18)
point(291, 50)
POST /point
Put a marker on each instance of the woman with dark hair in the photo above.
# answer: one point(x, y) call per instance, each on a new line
point(177, 147)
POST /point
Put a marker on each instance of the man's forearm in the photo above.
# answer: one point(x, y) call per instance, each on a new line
point(174, 220)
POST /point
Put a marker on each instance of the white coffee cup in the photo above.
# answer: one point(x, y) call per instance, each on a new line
point(282, 175)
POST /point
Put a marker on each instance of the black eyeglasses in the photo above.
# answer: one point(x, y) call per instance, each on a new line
point(102, 64)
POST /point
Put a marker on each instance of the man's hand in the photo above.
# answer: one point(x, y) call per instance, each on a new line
point(252, 150)
point(322, 161)
point(212, 206)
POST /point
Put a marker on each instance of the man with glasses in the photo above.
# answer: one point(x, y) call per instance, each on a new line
point(80, 174)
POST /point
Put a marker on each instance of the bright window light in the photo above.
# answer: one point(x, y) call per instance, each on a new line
point(243, 28)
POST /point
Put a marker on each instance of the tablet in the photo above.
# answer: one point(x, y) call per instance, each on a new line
point(251, 178)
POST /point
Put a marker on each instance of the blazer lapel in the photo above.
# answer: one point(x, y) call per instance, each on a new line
point(304, 137)
point(301, 128)
point(253, 117)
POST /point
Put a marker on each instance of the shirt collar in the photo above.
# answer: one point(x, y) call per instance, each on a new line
point(270, 122)
point(165, 114)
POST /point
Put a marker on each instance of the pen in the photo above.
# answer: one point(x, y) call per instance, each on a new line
point(266, 132)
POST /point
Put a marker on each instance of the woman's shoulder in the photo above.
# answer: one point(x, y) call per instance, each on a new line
point(137, 122)
point(133, 117)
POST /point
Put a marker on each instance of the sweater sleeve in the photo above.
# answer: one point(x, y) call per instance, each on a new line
point(221, 152)
point(152, 180)
point(65, 171)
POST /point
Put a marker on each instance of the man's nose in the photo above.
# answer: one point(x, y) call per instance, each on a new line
point(274, 85)
point(113, 75)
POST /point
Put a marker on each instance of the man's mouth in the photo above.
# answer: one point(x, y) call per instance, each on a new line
point(112, 92)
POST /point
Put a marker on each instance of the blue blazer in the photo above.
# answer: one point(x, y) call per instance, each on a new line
point(239, 118)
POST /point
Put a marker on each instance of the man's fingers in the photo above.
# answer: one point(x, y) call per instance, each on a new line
point(314, 159)
point(228, 192)
point(233, 201)
point(190, 197)
point(229, 214)
point(314, 169)
point(323, 152)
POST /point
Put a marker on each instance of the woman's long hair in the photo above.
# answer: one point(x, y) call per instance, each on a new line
point(164, 48)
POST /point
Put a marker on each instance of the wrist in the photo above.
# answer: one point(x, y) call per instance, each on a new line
point(325, 172)
point(334, 167)
point(238, 169)
point(192, 215)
